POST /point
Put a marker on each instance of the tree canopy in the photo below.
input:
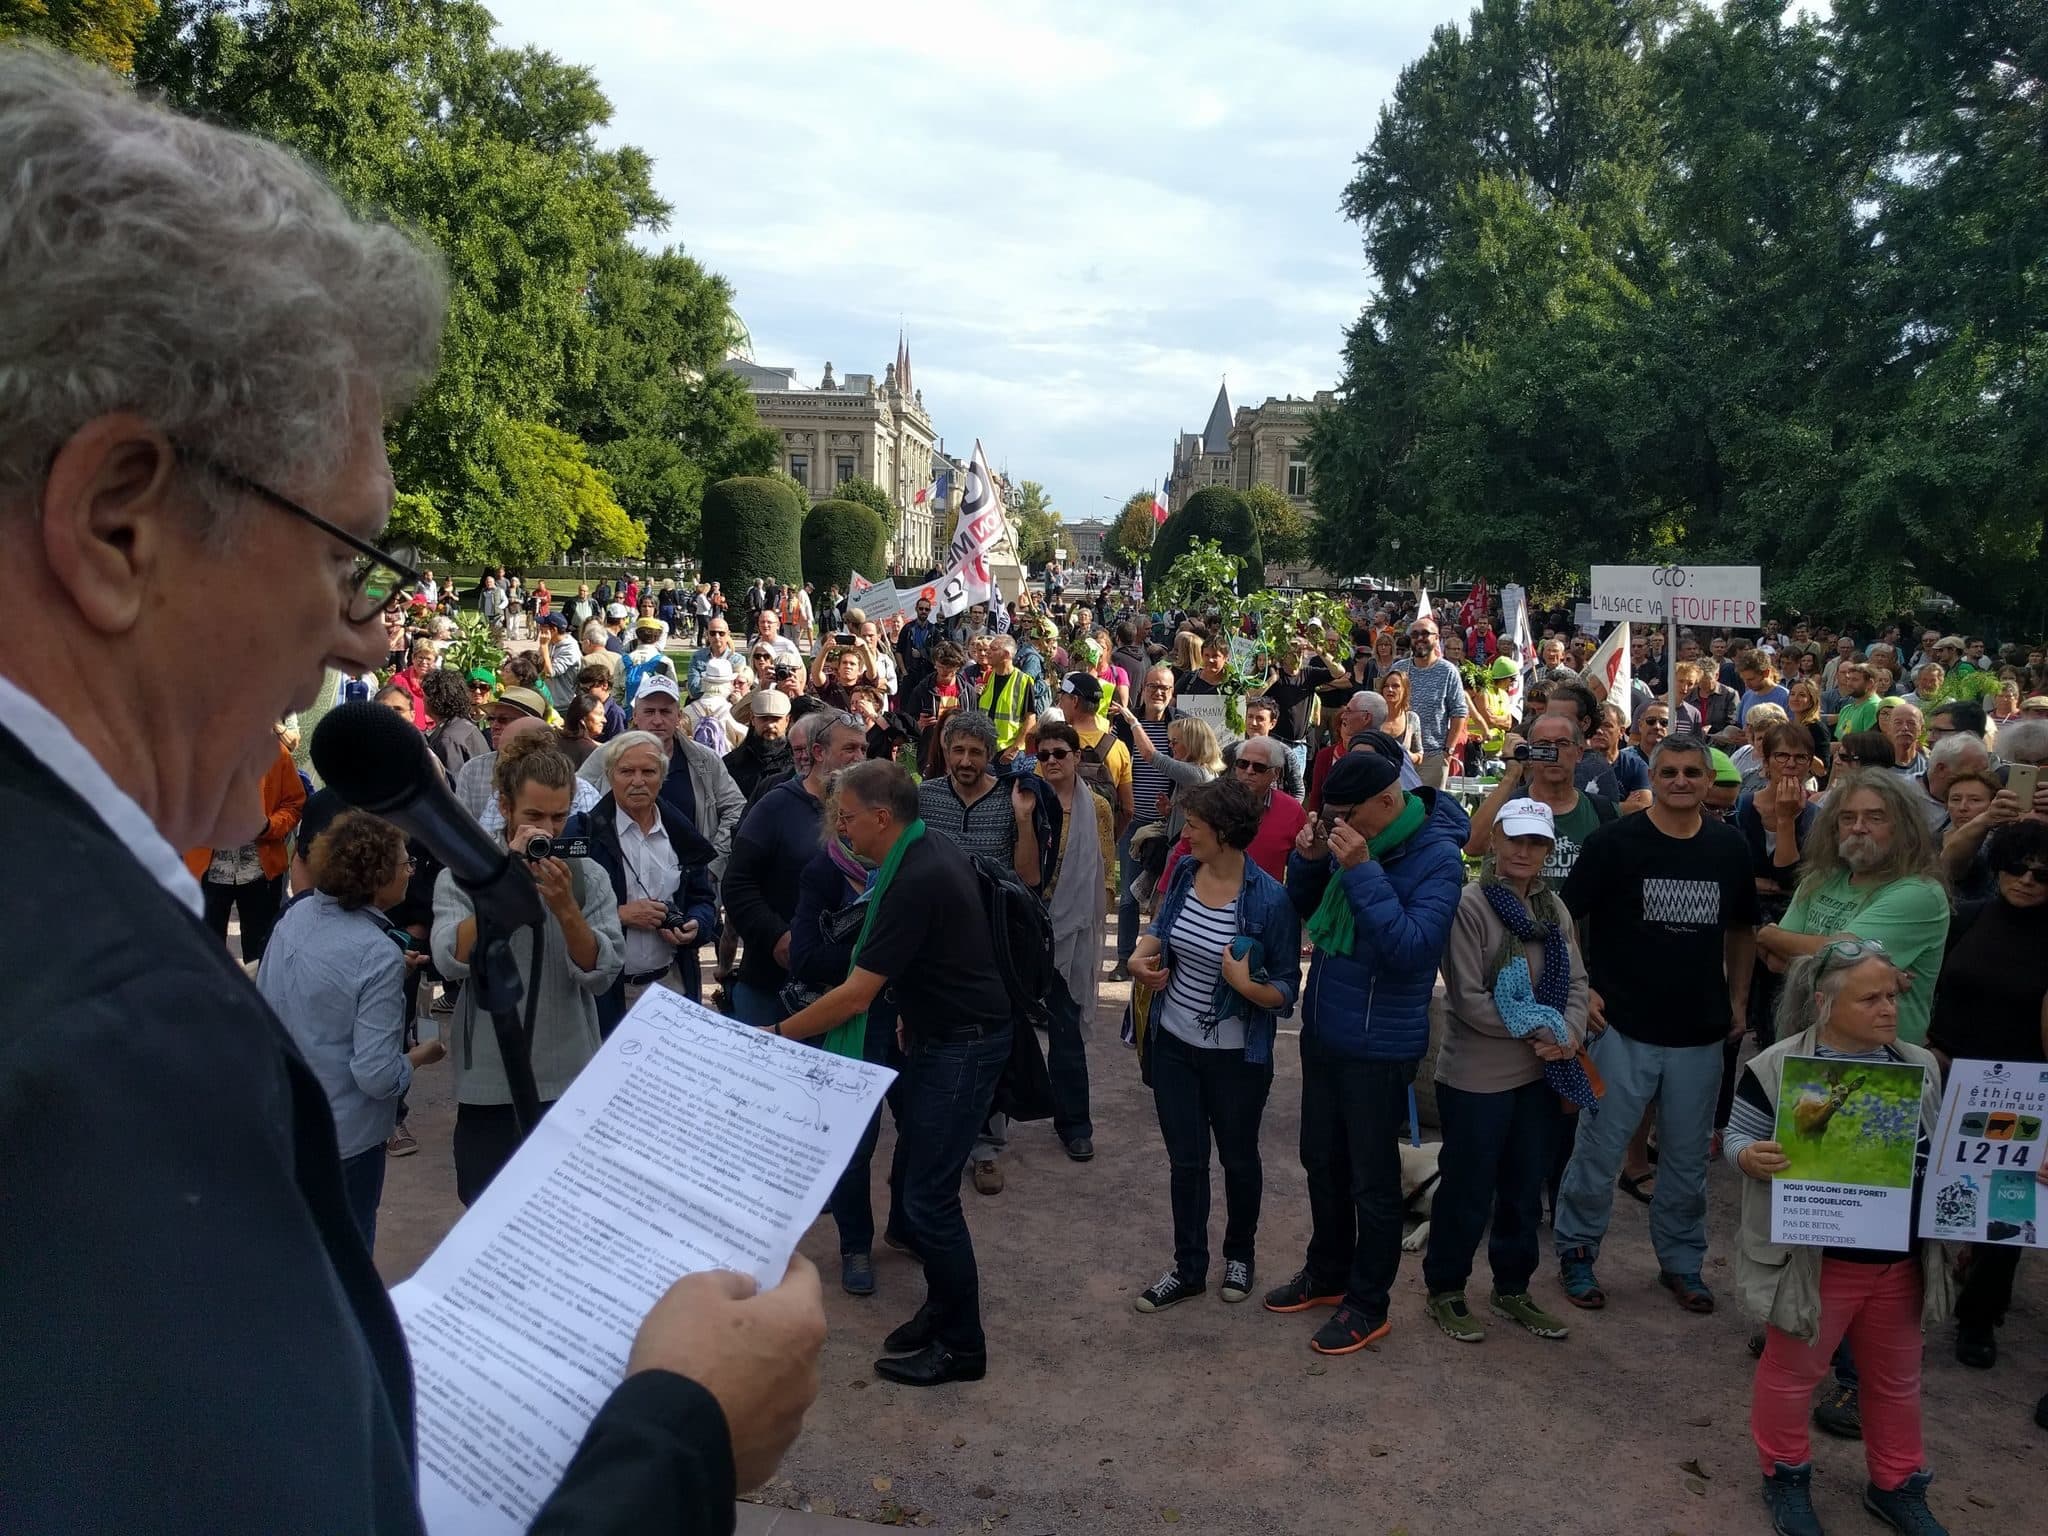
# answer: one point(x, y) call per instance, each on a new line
point(1656, 279)
point(571, 354)
point(1035, 527)
point(1130, 536)
point(1283, 531)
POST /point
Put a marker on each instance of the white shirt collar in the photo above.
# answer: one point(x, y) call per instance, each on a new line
point(628, 827)
point(51, 743)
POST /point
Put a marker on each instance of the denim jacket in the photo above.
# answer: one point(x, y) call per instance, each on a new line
point(1266, 917)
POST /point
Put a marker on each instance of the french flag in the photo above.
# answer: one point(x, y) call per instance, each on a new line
point(1159, 498)
point(938, 491)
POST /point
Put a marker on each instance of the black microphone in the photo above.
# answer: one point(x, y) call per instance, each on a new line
point(377, 761)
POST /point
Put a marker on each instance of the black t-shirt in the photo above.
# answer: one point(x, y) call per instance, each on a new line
point(1295, 699)
point(933, 943)
point(1658, 908)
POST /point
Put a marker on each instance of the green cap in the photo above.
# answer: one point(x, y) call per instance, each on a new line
point(483, 675)
point(1502, 669)
point(1725, 771)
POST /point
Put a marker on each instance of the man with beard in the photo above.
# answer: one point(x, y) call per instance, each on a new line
point(764, 755)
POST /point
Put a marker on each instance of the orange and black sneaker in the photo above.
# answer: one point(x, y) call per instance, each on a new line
point(1347, 1332)
point(1301, 1293)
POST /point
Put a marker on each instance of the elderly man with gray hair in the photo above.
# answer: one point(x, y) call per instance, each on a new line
point(1258, 764)
point(199, 348)
point(1364, 711)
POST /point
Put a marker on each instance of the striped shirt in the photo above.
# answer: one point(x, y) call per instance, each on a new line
point(1436, 698)
point(1147, 782)
point(987, 826)
point(1201, 934)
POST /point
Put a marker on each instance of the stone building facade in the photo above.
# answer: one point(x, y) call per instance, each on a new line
point(1262, 445)
point(856, 427)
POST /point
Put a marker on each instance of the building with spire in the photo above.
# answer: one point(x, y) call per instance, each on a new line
point(1253, 445)
point(840, 429)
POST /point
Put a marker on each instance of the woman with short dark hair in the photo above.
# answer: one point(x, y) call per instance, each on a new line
point(1223, 962)
point(335, 976)
point(452, 734)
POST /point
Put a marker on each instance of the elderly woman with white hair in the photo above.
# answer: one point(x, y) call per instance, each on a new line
point(660, 869)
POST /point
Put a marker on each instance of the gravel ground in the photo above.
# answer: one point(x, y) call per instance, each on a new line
point(1217, 1418)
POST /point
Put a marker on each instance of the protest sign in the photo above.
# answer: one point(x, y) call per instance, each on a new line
point(1984, 1184)
point(1849, 1130)
point(1722, 596)
point(1244, 654)
point(880, 601)
point(1210, 708)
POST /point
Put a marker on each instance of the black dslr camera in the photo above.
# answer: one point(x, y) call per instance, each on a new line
point(673, 916)
point(540, 846)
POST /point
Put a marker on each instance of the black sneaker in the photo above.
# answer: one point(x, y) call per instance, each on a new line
point(1976, 1346)
point(1168, 1290)
point(1301, 1293)
point(1348, 1331)
point(1839, 1412)
point(1788, 1495)
point(1237, 1279)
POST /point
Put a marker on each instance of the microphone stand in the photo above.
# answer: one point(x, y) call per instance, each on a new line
point(503, 906)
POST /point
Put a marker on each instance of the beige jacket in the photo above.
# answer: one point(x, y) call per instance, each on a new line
point(1478, 1055)
point(1780, 1282)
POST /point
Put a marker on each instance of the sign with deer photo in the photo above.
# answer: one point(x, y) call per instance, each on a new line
point(1849, 1132)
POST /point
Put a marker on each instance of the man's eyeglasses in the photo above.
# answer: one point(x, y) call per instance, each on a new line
point(1054, 754)
point(378, 575)
point(1676, 772)
point(1246, 765)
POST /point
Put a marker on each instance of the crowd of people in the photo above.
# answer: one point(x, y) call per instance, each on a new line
point(835, 829)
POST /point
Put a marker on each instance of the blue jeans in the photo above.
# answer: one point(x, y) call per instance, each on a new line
point(1682, 1082)
point(362, 1184)
point(756, 1005)
point(1495, 1154)
point(852, 1207)
point(946, 1093)
point(1202, 1093)
point(1353, 1114)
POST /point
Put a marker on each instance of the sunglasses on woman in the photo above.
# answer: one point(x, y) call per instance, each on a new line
point(2037, 873)
point(1054, 754)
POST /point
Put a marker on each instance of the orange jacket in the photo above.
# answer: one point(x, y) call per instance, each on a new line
point(284, 802)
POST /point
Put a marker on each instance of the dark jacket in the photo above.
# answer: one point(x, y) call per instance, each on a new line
point(756, 762)
point(815, 957)
point(197, 1285)
point(775, 841)
point(694, 893)
point(1374, 1002)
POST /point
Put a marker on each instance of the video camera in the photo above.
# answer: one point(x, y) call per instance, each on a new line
point(1536, 752)
point(540, 846)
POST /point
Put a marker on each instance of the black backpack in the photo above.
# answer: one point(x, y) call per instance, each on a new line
point(1021, 930)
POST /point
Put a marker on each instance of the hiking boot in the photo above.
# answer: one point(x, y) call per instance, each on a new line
point(1581, 1285)
point(1788, 1495)
point(1839, 1412)
point(1237, 1279)
point(1521, 1308)
point(1690, 1291)
point(1167, 1291)
point(1301, 1293)
point(401, 1143)
point(988, 1177)
point(1904, 1508)
point(1348, 1331)
point(1976, 1346)
point(1448, 1311)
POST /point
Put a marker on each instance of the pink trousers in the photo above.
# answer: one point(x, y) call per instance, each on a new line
point(1878, 1307)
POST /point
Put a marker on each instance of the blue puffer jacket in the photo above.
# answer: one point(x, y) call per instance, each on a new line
point(1263, 914)
point(1374, 1002)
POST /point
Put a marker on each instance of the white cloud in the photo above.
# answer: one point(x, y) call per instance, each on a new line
point(1083, 214)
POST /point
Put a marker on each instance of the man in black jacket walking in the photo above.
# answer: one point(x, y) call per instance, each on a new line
point(192, 1336)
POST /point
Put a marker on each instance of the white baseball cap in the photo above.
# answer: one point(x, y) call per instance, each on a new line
point(618, 611)
point(1526, 818)
point(658, 682)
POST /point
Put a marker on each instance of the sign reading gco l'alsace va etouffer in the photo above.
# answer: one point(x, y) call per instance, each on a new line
point(1720, 596)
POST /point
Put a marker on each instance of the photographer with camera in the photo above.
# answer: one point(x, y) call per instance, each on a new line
point(1542, 767)
point(580, 948)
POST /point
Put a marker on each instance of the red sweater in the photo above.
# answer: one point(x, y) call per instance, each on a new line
point(1270, 845)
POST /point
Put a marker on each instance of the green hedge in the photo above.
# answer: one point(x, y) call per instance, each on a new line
point(1214, 512)
point(751, 528)
point(841, 536)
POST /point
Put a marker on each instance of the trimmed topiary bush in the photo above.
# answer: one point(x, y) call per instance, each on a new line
point(1214, 512)
point(841, 536)
point(751, 528)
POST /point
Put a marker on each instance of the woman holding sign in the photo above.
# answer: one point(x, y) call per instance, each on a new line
point(1840, 1003)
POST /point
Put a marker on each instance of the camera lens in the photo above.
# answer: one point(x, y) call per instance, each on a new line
point(538, 848)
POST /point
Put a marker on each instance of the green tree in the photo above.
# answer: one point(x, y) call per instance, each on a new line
point(870, 495)
point(840, 536)
point(752, 527)
point(1283, 531)
point(1216, 513)
point(104, 31)
point(1130, 536)
point(1035, 528)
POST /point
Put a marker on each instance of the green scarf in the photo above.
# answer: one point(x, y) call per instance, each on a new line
point(851, 1038)
point(1333, 928)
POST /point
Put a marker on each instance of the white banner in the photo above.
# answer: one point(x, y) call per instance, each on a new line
point(967, 580)
point(1610, 665)
point(1718, 596)
point(1514, 610)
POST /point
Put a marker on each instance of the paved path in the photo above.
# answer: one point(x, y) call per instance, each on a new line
point(1218, 1419)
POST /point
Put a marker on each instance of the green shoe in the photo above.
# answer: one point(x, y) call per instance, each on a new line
point(1455, 1318)
point(1520, 1308)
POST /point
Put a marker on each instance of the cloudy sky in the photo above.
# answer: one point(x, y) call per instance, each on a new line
point(1084, 214)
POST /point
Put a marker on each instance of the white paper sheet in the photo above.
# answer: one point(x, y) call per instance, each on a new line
point(689, 1143)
